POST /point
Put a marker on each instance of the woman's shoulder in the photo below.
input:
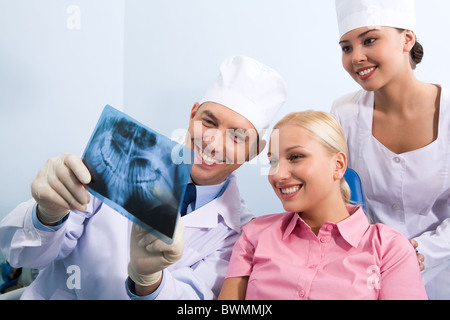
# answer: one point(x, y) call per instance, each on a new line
point(350, 97)
point(383, 230)
point(387, 238)
point(347, 106)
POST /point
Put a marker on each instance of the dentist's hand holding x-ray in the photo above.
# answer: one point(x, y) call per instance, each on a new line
point(149, 256)
point(59, 188)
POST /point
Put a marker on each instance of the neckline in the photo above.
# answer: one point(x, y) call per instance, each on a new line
point(370, 109)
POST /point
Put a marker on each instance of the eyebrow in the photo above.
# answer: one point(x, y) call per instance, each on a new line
point(269, 154)
point(361, 35)
point(295, 147)
point(211, 115)
point(216, 120)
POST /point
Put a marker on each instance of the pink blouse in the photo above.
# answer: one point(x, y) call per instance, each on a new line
point(351, 260)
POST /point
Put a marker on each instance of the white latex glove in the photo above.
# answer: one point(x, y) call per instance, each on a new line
point(58, 188)
point(149, 255)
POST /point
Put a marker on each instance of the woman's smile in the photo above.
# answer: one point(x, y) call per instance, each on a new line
point(288, 192)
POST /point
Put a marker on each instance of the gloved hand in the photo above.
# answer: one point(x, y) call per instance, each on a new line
point(149, 255)
point(58, 188)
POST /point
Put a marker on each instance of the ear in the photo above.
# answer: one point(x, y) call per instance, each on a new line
point(194, 110)
point(341, 165)
point(410, 40)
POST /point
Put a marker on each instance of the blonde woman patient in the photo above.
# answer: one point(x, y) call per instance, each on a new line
point(322, 248)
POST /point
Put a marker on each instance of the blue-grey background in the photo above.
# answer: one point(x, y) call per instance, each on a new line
point(62, 61)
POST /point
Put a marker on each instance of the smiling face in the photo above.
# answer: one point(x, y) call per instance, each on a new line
point(222, 141)
point(303, 172)
point(376, 56)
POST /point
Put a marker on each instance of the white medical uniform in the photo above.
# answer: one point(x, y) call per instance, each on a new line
point(87, 257)
point(409, 192)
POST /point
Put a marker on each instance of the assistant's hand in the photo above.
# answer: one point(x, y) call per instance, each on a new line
point(59, 188)
point(149, 255)
point(420, 257)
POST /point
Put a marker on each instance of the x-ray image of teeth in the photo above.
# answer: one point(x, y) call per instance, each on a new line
point(132, 171)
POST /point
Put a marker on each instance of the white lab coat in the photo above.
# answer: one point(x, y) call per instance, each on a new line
point(409, 192)
point(87, 257)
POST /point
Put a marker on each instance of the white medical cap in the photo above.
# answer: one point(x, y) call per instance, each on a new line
point(354, 14)
point(249, 88)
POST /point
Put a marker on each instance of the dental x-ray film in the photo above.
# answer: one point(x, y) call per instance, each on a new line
point(133, 172)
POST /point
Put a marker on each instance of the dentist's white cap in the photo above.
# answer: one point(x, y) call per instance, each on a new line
point(249, 88)
point(354, 14)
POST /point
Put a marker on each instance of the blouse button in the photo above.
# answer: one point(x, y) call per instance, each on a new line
point(397, 160)
point(301, 293)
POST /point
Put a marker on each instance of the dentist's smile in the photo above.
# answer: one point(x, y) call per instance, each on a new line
point(205, 159)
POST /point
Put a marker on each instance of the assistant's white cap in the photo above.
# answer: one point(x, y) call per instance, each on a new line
point(354, 14)
point(249, 88)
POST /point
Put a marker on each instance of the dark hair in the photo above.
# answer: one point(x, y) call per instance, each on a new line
point(416, 53)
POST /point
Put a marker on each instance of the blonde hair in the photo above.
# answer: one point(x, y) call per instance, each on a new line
point(327, 128)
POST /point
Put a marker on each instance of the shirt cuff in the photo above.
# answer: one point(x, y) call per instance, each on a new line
point(39, 226)
point(129, 284)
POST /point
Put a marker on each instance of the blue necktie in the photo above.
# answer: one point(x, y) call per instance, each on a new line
point(189, 197)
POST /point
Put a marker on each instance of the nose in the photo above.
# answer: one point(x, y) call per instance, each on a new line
point(213, 140)
point(358, 55)
point(280, 173)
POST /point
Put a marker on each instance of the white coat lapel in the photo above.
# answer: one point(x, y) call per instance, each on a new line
point(228, 206)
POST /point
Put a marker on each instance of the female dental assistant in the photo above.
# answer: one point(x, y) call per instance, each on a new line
point(397, 130)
